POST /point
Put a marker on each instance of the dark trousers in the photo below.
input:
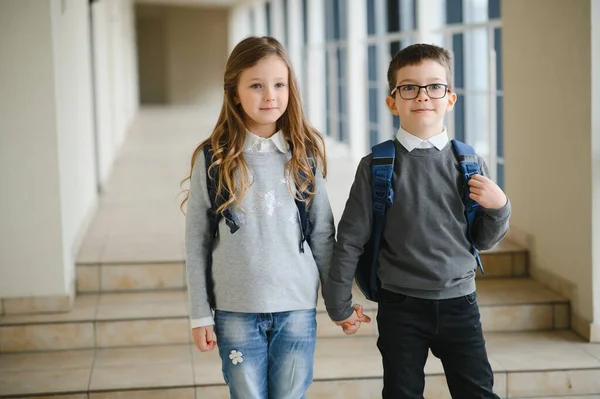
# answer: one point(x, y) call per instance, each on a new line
point(451, 328)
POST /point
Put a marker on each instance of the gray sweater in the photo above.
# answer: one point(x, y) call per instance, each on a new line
point(259, 268)
point(424, 250)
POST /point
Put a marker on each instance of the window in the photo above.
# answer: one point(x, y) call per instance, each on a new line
point(336, 74)
point(391, 26)
point(268, 17)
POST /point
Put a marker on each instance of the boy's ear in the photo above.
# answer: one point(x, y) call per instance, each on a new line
point(452, 98)
point(391, 104)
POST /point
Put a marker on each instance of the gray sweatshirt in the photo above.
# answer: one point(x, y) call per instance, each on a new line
point(259, 268)
point(424, 250)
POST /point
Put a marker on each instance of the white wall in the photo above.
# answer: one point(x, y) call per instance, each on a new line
point(195, 52)
point(548, 136)
point(74, 121)
point(48, 145)
point(595, 105)
point(115, 78)
point(196, 55)
point(31, 243)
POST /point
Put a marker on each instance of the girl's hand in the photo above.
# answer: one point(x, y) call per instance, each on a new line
point(204, 338)
point(486, 192)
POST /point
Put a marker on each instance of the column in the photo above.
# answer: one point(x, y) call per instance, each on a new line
point(315, 66)
point(357, 79)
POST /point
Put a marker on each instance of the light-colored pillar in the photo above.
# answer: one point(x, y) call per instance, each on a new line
point(46, 151)
point(260, 18)
point(296, 36)
point(551, 145)
point(239, 24)
point(357, 84)
point(479, 132)
point(315, 66)
point(277, 21)
point(430, 18)
point(386, 127)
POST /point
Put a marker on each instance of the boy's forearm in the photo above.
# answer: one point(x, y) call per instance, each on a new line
point(492, 226)
point(354, 231)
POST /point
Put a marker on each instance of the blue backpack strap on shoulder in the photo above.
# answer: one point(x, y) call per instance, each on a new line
point(382, 171)
point(305, 225)
point(212, 178)
point(469, 166)
point(213, 218)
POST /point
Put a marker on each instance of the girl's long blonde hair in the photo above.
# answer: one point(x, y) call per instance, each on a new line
point(228, 136)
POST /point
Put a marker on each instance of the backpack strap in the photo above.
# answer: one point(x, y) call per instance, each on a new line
point(212, 179)
point(305, 225)
point(470, 166)
point(382, 170)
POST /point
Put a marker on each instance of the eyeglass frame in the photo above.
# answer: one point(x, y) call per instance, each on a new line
point(397, 89)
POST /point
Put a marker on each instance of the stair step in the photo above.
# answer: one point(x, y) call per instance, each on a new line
point(504, 260)
point(152, 318)
point(130, 275)
point(525, 365)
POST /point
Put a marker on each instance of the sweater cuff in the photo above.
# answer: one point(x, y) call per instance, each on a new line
point(203, 322)
point(498, 215)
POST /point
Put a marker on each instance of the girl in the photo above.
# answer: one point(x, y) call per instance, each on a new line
point(266, 171)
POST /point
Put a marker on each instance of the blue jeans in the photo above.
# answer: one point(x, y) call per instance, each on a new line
point(451, 328)
point(267, 355)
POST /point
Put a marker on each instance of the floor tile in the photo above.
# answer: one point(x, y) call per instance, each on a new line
point(44, 381)
point(554, 383)
point(175, 393)
point(207, 367)
point(142, 376)
point(74, 359)
point(120, 277)
point(213, 392)
point(84, 309)
point(140, 356)
point(46, 337)
point(142, 332)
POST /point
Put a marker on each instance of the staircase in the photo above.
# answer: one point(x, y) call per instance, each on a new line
point(127, 335)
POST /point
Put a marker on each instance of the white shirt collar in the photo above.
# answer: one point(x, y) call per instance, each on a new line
point(274, 143)
point(410, 142)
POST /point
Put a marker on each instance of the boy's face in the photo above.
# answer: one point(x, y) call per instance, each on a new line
point(422, 116)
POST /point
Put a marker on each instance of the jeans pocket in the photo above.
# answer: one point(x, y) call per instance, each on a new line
point(471, 298)
point(388, 298)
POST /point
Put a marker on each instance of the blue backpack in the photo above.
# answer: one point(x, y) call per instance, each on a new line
point(382, 170)
point(212, 179)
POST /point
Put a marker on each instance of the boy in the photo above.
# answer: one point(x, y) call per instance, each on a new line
point(427, 272)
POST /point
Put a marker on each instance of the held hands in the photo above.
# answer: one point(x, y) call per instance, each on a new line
point(204, 338)
point(352, 323)
point(486, 192)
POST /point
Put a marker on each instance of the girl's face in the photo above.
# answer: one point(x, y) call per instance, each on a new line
point(263, 93)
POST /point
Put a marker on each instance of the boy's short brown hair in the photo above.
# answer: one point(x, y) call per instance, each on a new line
point(414, 55)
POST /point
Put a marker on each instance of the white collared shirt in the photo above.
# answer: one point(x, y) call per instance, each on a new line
point(410, 142)
point(274, 143)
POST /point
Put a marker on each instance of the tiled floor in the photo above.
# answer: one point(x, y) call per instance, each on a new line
point(525, 364)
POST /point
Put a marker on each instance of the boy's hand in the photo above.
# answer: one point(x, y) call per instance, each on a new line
point(352, 324)
point(486, 192)
point(204, 338)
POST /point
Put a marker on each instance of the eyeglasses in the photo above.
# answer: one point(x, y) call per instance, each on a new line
point(410, 92)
